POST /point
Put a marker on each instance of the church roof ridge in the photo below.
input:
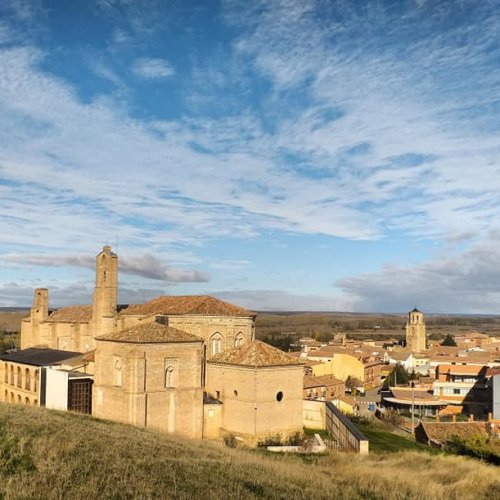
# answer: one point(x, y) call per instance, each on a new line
point(255, 354)
point(205, 305)
point(71, 314)
point(150, 333)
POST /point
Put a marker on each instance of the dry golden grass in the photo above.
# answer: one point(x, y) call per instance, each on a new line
point(11, 321)
point(46, 454)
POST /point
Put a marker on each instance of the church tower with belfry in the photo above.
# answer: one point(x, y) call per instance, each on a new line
point(415, 331)
point(106, 291)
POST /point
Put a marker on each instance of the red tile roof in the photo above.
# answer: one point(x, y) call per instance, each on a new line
point(320, 381)
point(71, 314)
point(150, 333)
point(412, 394)
point(255, 354)
point(204, 305)
point(439, 432)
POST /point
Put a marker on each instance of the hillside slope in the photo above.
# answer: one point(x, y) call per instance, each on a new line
point(46, 454)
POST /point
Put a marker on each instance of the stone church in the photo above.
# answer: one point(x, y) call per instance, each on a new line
point(181, 364)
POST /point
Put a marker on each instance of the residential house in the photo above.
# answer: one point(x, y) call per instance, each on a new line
point(324, 388)
point(437, 433)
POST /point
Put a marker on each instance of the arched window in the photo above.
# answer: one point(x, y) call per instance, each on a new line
point(18, 398)
point(27, 379)
point(19, 377)
point(11, 374)
point(35, 402)
point(6, 375)
point(26, 401)
point(239, 340)
point(216, 343)
point(35, 381)
point(170, 377)
point(12, 399)
point(117, 371)
point(6, 395)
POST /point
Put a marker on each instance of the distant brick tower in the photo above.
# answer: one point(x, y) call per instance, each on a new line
point(415, 331)
point(30, 331)
point(40, 308)
point(106, 291)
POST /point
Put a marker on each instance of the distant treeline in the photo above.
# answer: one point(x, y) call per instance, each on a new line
point(323, 326)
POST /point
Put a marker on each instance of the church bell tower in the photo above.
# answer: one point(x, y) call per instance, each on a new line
point(105, 292)
point(415, 331)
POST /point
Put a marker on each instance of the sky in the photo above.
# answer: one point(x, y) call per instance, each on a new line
point(281, 155)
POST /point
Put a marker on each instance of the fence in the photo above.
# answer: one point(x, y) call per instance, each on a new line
point(345, 433)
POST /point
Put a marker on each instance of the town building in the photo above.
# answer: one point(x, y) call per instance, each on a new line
point(344, 363)
point(27, 379)
point(464, 385)
point(260, 388)
point(151, 364)
point(324, 388)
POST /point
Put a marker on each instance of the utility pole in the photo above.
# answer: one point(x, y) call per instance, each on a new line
point(413, 410)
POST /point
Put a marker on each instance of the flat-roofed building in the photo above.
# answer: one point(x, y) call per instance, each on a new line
point(29, 377)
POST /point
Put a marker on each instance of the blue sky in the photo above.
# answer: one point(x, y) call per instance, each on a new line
point(310, 155)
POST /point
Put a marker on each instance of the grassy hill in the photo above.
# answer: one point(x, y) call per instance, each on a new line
point(46, 454)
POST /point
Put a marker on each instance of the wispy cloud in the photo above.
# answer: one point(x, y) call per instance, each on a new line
point(146, 266)
point(14, 294)
point(453, 281)
point(152, 68)
point(357, 122)
point(278, 300)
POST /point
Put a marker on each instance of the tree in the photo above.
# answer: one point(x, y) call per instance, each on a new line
point(449, 340)
point(398, 376)
point(352, 383)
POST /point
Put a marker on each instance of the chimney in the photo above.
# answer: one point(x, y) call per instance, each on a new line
point(163, 320)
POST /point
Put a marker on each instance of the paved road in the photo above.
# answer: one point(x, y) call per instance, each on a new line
point(371, 396)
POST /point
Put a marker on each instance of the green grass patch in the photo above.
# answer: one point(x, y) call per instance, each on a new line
point(385, 441)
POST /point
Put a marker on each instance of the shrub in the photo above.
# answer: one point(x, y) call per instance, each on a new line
point(476, 446)
point(295, 439)
point(230, 441)
point(274, 440)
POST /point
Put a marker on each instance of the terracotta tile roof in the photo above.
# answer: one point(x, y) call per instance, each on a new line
point(320, 381)
point(150, 333)
point(399, 355)
point(71, 314)
point(310, 362)
point(416, 394)
point(444, 368)
point(320, 354)
point(439, 432)
point(444, 350)
point(475, 335)
point(491, 372)
point(472, 357)
point(255, 354)
point(188, 304)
